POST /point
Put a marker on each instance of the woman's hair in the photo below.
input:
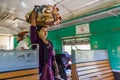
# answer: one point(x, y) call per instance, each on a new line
point(40, 27)
point(22, 34)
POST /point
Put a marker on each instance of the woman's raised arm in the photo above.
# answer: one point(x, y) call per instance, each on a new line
point(33, 33)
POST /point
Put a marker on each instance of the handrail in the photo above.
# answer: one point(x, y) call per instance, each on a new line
point(35, 44)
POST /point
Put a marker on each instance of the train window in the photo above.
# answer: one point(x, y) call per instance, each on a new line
point(76, 43)
point(6, 41)
point(82, 47)
point(68, 48)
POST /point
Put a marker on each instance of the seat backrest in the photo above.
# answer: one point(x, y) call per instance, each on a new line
point(28, 74)
point(91, 65)
point(93, 70)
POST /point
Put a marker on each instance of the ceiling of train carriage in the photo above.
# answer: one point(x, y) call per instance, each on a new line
point(12, 12)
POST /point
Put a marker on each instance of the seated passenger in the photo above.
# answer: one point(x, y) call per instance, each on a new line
point(62, 62)
point(22, 44)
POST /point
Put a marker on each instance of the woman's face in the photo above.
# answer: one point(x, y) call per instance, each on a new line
point(43, 32)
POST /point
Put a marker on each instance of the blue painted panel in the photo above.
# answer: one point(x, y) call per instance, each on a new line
point(89, 55)
point(16, 59)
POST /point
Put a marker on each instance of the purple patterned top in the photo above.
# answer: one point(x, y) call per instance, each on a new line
point(36, 39)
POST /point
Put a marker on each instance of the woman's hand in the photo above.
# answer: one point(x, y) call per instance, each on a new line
point(56, 71)
point(33, 18)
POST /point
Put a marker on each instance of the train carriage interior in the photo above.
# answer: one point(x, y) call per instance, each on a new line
point(86, 39)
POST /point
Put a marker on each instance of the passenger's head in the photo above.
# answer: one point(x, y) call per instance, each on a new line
point(42, 31)
point(21, 35)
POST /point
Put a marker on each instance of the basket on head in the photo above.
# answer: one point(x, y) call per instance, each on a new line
point(46, 15)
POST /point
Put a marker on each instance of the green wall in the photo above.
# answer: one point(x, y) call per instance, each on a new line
point(57, 35)
point(106, 35)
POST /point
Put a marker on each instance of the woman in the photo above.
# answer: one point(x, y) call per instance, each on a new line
point(21, 43)
point(38, 35)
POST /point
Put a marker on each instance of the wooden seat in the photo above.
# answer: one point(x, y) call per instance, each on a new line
point(93, 70)
point(28, 74)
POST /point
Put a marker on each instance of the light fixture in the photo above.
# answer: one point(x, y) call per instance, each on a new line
point(90, 3)
point(23, 3)
point(48, 2)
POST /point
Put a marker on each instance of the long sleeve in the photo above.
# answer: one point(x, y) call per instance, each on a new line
point(33, 35)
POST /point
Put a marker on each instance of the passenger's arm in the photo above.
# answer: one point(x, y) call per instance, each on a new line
point(55, 63)
point(33, 33)
point(56, 67)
